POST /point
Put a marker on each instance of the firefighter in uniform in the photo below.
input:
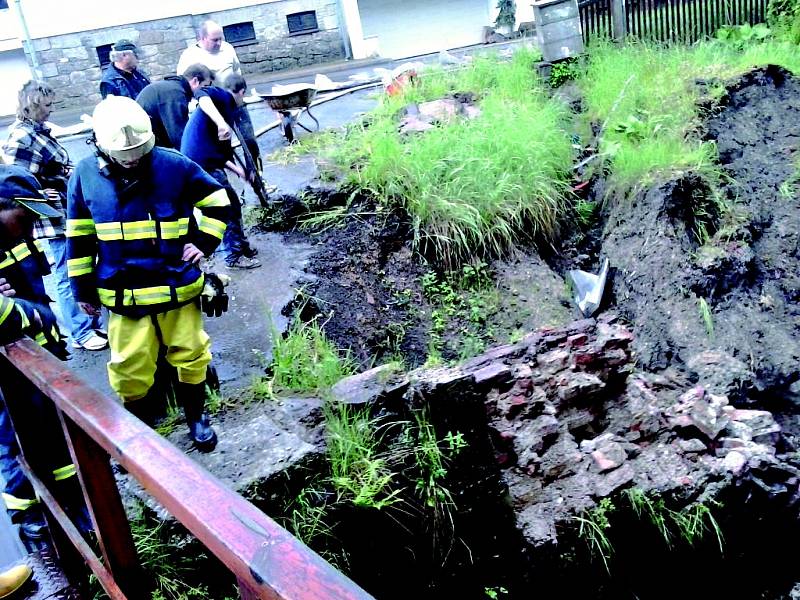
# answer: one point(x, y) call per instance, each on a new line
point(134, 246)
point(16, 319)
point(22, 266)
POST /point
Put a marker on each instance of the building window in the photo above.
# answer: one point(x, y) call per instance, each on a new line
point(240, 34)
point(102, 54)
point(302, 22)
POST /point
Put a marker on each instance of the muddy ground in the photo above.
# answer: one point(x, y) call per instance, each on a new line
point(748, 275)
point(370, 277)
point(375, 295)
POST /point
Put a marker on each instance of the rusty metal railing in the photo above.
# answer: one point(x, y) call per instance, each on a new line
point(265, 559)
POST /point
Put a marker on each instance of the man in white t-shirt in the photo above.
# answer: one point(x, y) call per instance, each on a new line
point(218, 55)
point(213, 51)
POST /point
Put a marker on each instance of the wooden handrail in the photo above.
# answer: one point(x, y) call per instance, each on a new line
point(267, 561)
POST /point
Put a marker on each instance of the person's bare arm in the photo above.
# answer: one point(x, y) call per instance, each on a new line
point(207, 106)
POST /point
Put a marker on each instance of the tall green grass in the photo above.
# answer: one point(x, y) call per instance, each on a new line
point(646, 99)
point(359, 470)
point(304, 360)
point(650, 86)
point(471, 187)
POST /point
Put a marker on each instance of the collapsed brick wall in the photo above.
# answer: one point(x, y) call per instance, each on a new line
point(571, 421)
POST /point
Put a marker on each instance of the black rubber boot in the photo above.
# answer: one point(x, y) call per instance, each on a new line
point(32, 528)
point(145, 409)
point(193, 398)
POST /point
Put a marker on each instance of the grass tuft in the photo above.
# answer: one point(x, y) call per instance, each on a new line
point(594, 525)
point(472, 187)
point(358, 471)
point(646, 95)
point(304, 360)
point(706, 316)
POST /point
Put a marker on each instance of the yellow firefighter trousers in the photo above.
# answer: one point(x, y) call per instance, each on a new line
point(135, 344)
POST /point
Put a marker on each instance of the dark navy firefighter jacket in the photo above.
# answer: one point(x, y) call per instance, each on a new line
point(125, 238)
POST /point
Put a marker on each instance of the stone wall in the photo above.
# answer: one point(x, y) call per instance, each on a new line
point(70, 63)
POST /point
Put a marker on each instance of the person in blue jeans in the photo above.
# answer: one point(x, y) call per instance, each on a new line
point(86, 331)
point(31, 145)
point(207, 141)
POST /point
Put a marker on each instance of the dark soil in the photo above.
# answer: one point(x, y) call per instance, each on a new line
point(366, 286)
point(369, 289)
point(749, 277)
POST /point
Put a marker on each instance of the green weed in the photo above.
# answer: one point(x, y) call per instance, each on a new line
point(307, 516)
point(586, 212)
point(358, 470)
point(647, 98)
point(706, 316)
point(321, 221)
point(692, 523)
point(475, 276)
point(430, 459)
point(563, 71)
point(160, 554)
point(784, 17)
point(466, 297)
point(594, 525)
point(261, 388)
point(653, 508)
point(740, 36)
point(304, 360)
point(786, 191)
point(494, 593)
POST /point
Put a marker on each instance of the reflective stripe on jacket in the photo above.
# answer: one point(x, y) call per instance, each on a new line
point(125, 239)
point(23, 266)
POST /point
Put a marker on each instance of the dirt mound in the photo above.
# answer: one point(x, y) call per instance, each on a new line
point(727, 311)
point(366, 286)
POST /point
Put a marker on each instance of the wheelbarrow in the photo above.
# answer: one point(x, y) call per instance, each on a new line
point(293, 102)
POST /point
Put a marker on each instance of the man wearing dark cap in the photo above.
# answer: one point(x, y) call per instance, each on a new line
point(122, 77)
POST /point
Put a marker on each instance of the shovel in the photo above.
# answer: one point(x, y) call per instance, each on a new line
point(589, 288)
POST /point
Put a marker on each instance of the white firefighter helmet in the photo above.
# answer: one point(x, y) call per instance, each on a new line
point(122, 129)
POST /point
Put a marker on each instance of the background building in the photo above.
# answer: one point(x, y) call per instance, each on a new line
point(71, 38)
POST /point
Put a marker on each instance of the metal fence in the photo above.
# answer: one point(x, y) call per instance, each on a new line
point(596, 19)
point(684, 21)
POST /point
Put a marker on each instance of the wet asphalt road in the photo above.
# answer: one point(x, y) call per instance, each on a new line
point(241, 339)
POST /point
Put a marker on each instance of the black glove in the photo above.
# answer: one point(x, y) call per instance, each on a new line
point(214, 300)
point(43, 327)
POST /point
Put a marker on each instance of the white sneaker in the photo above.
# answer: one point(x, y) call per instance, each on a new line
point(93, 342)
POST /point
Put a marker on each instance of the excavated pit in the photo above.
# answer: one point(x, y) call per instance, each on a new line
point(552, 426)
point(643, 398)
point(548, 457)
